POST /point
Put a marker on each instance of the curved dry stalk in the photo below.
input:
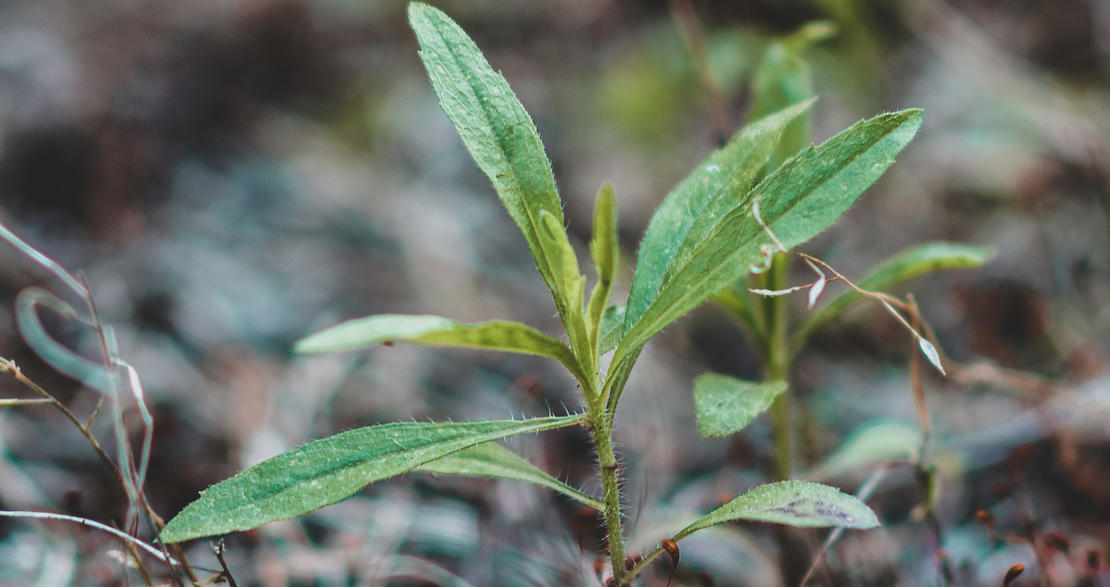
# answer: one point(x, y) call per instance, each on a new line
point(152, 551)
point(888, 302)
point(863, 493)
point(9, 366)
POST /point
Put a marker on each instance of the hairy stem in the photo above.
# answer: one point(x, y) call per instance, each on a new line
point(610, 485)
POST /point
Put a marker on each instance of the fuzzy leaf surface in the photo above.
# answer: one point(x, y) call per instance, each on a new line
point(497, 335)
point(794, 503)
point(724, 405)
point(901, 267)
point(715, 187)
point(332, 469)
point(603, 249)
point(495, 461)
point(501, 138)
point(797, 201)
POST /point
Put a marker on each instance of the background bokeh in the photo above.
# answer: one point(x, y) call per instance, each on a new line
point(231, 176)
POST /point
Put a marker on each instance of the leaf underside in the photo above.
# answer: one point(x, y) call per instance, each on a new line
point(332, 469)
point(724, 405)
point(794, 503)
point(497, 335)
point(495, 461)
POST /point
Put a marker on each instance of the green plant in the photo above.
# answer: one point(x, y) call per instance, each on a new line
point(724, 404)
point(728, 216)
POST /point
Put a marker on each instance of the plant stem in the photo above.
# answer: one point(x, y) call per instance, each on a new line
point(643, 564)
point(775, 363)
point(610, 485)
point(780, 435)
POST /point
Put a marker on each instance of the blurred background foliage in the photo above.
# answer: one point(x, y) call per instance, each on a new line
point(231, 176)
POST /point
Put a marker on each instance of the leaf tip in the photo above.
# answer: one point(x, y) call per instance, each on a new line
point(417, 9)
point(930, 353)
point(309, 345)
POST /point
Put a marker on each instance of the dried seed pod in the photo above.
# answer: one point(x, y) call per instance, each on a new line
point(599, 565)
point(705, 579)
point(1012, 574)
point(672, 549)
point(985, 518)
point(530, 385)
point(583, 518)
point(581, 523)
point(1057, 541)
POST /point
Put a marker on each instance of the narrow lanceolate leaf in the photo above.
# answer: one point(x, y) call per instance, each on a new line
point(498, 335)
point(724, 405)
point(493, 460)
point(499, 134)
point(899, 268)
point(331, 469)
point(687, 214)
point(564, 265)
point(603, 249)
point(794, 503)
point(796, 202)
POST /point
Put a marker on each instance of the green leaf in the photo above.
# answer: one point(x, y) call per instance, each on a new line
point(901, 267)
point(502, 140)
point(797, 201)
point(603, 249)
point(872, 443)
point(716, 186)
point(794, 503)
point(498, 335)
point(725, 405)
point(493, 460)
point(564, 265)
point(332, 469)
point(810, 191)
point(612, 323)
point(784, 78)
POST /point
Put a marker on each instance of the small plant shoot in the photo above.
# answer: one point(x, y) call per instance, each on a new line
point(752, 199)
